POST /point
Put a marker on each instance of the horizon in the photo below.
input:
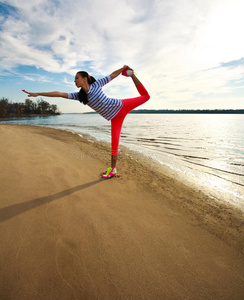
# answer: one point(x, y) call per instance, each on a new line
point(139, 109)
point(185, 53)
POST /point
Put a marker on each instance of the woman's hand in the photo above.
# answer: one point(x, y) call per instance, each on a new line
point(127, 68)
point(119, 71)
point(31, 94)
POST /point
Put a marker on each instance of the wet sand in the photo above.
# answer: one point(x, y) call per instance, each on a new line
point(68, 234)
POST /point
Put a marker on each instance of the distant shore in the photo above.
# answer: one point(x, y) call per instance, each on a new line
point(40, 107)
point(189, 111)
point(28, 115)
point(184, 111)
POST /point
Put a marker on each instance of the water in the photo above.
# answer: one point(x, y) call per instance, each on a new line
point(206, 151)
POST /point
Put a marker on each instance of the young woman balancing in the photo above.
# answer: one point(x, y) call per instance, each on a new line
point(114, 110)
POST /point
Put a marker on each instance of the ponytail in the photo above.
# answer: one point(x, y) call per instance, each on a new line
point(82, 96)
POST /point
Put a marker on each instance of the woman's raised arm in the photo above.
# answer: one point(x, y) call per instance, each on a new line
point(48, 94)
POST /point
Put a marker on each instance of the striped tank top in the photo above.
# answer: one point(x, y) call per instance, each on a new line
point(98, 101)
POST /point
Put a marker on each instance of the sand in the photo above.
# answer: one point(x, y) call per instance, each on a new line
point(68, 234)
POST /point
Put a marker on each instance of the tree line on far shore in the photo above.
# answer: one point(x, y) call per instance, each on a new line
point(29, 107)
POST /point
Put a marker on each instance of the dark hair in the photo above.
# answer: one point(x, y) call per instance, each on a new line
point(82, 96)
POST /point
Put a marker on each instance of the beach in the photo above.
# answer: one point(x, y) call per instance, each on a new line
point(68, 234)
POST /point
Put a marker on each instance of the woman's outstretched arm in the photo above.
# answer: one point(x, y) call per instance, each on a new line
point(118, 72)
point(48, 94)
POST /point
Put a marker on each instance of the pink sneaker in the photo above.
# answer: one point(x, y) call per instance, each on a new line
point(128, 73)
point(110, 173)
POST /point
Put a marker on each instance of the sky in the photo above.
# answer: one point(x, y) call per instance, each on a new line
point(189, 54)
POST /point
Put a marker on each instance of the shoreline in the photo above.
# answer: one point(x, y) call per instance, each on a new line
point(215, 183)
point(66, 232)
point(214, 198)
point(216, 195)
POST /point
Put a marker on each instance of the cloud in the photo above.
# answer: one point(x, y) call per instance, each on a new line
point(96, 31)
point(175, 45)
point(233, 63)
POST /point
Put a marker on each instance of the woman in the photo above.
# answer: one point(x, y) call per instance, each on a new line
point(111, 109)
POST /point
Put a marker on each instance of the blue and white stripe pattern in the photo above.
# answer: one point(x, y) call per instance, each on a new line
point(97, 100)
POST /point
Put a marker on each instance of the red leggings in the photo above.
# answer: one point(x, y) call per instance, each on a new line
point(117, 121)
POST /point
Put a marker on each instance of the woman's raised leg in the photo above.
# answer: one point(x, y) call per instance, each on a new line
point(117, 122)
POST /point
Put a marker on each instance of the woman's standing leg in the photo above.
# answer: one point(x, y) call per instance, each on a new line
point(116, 126)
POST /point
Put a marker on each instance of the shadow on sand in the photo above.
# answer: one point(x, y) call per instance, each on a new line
point(17, 209)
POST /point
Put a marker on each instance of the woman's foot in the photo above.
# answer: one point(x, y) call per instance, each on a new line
point(110, 173)
point(128, 73)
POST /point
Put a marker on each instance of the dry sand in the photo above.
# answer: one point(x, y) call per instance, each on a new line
point(67, 234)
